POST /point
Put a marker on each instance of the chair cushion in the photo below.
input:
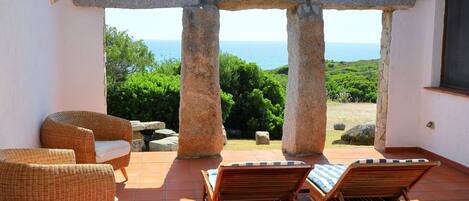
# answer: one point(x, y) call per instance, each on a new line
point(213, 173)
point(325, 176)
point(108, 150)
point(384, 161)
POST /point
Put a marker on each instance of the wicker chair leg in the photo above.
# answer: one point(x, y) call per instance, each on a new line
point(124, 172)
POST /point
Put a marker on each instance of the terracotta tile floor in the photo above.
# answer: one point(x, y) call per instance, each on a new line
point(160, 176)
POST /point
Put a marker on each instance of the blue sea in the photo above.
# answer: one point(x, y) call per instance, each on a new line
point(269, 55)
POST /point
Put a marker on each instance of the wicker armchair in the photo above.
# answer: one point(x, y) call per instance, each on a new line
point(48, 174)
point(81, 131)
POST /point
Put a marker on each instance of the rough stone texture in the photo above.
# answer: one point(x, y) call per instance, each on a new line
point(339, 126)
point(166, 144)
point(200, 122)
point(137, 145)
point(304, 130)
point(163, 133)
point(363, 134)
point(152, 125)
point(249, 4)
point(262, 138)
point(137, 126)
point(366, 4)
point(136, 4)
point(382, 106)
point(137, 135)
point(256, 4)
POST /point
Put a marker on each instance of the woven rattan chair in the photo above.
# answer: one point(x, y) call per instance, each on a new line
point(84, 131)
point(51, 174)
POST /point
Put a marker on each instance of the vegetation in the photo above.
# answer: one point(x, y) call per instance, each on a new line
point(252, 99)
point(125, 56)
point(351, 114)
point(345, 81)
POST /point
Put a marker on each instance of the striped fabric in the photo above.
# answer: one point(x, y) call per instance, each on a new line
point(382, 161)
point(325, 176)
point(267, 163)
point(212, 174)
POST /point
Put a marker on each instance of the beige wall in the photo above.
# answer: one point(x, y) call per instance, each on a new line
point(51, 59)
point(415, 64)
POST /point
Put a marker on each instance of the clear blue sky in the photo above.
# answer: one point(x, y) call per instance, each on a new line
point(249, 25)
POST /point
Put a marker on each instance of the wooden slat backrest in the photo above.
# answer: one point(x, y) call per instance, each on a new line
point(260, 182)
point(380, 180)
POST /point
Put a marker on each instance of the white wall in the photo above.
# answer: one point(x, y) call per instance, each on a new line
point(51, 59)
point(415, 64)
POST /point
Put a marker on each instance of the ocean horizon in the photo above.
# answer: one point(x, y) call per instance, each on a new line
point(269, 55)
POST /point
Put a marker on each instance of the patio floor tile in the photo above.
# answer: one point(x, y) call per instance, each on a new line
point(159, 176)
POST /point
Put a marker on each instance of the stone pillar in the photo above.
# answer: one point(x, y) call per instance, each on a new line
point(304, 129)
point(200, 127)
point(382, 106)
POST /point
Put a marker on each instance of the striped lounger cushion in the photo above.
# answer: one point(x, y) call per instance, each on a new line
point(326, 176)
point(212, 174)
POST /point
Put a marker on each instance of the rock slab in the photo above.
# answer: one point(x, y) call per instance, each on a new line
point(152, 125)
point(304, 130)
point(200, 120)
point(163, 133)
point(166, 144)
point(363, 134)
point(262, 138)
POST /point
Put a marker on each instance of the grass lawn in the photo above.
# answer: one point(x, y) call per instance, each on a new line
point(350, 114)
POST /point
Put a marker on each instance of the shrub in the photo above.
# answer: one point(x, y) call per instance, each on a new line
point(258, 97)
point(152, 96)
point(146, 97)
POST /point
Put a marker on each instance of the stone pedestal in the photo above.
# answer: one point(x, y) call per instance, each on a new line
point(304, 129)
point(200, 127)
point(262, 138)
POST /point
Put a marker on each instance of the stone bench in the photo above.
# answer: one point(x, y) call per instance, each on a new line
point(138, 127)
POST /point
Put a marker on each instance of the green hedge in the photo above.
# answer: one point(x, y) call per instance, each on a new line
point(152, 96)
point(146, 97)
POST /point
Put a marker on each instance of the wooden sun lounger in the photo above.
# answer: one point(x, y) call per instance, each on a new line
point(256, 182)
point(385, 181)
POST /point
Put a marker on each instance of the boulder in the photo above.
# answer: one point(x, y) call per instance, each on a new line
point(262, 138)
point(163, 133)
point(137, 145)
point(166, 144)
point(339, 126)
point(362, 134)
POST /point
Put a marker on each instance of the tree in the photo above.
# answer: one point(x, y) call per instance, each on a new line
point(124, 55)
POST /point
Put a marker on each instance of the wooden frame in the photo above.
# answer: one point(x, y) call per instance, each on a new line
point(374, 181)
point(256, 182)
